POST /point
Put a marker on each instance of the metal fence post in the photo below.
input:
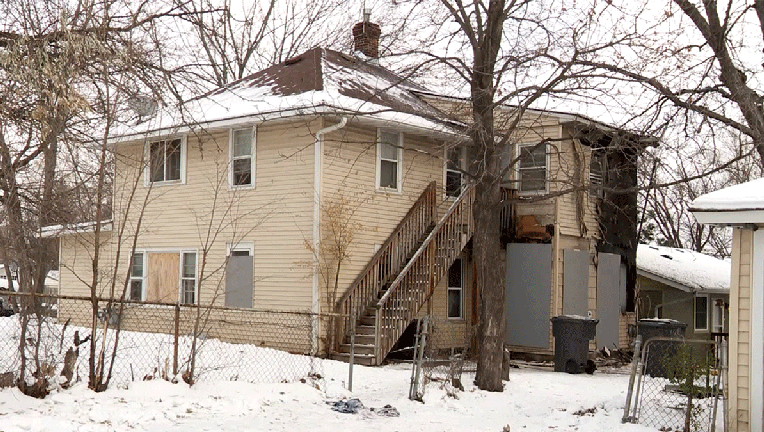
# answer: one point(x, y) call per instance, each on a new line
point(352, 356)
point(175, 342)
point(626, 418)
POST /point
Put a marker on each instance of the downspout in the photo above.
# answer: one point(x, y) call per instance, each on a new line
point(318, 153)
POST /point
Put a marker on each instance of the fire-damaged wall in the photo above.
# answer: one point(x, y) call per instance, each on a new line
point(617, 210)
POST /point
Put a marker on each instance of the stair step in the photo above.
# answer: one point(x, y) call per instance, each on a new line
point(364, 330)
point(360, 359)
point(359, 348)
point(367, 339)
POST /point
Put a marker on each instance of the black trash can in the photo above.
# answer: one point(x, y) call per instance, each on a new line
point(572, 334)
point(659, 351)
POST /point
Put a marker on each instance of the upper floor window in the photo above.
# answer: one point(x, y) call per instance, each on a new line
point(242, 150)
point(166, 160)
point(389, 160)
point(454, 169)
point(532, 168)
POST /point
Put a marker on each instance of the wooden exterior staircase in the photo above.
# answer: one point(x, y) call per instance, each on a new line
point(401, 277)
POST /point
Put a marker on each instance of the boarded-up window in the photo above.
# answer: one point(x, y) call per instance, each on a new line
point(163, 277)
point(239, 279)
point(528, 294)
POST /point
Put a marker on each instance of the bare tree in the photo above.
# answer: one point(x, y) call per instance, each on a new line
point(230, 42)
point(693, 58)
point(65, 68)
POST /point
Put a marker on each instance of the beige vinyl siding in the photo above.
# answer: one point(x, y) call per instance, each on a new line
point(740, 314)
point(204, 214)
point(349, 171)
point(76, 264)
point(577, 209)
point(452, 332)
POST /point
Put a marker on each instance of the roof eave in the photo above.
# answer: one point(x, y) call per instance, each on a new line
point(680, 286)
point(744, 217)
point(442, 131)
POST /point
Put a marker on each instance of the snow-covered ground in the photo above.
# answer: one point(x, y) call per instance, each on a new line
point(533, 400)
point(248, 388)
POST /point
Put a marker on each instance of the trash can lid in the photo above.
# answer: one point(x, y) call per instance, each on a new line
point(659, 322)
point(572, 318)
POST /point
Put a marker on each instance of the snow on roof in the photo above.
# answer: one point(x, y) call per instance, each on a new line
point(318, 81)
point(82, 227)
point(684, 269)
point(745, 196)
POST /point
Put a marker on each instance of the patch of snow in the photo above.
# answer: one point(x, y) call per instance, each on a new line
point(533, 400)
point(745, 196)
point(693, 270)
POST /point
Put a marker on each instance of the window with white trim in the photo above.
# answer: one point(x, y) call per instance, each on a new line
point(701, 313)
point(242, 151)
point(532, 168)
point(166, 159)
point(454, 171)
point(188, 278)
point(389, 160)
point(138, 278)
point(455, 290)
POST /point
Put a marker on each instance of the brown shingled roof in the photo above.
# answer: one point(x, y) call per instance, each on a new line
point(320, 68)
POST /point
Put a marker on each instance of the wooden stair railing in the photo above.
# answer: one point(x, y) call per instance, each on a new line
point(416, 282)
point(387, 262)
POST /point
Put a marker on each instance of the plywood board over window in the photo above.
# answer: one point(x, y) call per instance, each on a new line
point(163, 277)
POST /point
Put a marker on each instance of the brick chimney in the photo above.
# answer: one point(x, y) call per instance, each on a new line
point(366, 36)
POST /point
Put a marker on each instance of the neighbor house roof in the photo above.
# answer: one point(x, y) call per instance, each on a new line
point(739, 204)
point(684, 269)
point(318, 81)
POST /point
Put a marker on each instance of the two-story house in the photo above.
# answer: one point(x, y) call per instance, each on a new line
point(229, 201)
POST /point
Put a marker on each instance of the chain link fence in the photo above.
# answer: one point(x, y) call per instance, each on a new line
point(142, 340)
point(443, 352)
point(679, 385)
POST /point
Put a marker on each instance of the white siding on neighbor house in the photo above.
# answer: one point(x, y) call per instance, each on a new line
point(204, 213)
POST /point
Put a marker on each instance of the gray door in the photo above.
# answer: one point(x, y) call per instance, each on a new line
point(528, 294)
point(575, 297)
point(238, 281)
point(609, 298)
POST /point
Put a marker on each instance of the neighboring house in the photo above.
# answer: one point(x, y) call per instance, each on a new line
point(742, 208)
point(246, 184)
point(684, 285)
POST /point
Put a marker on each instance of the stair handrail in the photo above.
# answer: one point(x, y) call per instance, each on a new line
point(467, 193)
point(416, 282)
point(428, 200)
